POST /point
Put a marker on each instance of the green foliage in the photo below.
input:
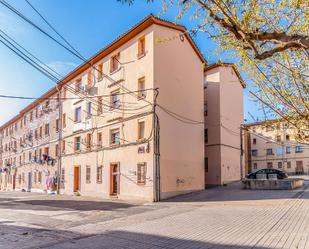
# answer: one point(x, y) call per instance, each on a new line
point(270, 41)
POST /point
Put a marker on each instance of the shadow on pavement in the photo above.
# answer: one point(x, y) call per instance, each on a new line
point(233, 192)
point(24, 237)
point(79, 205)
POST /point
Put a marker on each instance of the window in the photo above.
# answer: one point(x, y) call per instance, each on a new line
point(34, 177)
point(31, 116)
point(114, 137)
point(288, 150)
point(206, 108)
point(88, 141)
point(279, 151)
point(141, 173)
point(278, 138)
point(46, 151)
point(99, 174)
point(78, 115)
point(254, 165)
point(100, 110)
point(79, 85)
point(63, 146)
point(254, 152)
point(57, 124)
point(254, 140)
point(36, 134)
point(206, 164)
point(89, 79)
point(64, 92)
point(36, 112)
point(298, 149)
point(287, 137)
point(23, 177)
point(41, 132)
point(114, 63)
point(141, 130)
point(99, 139)
point(141, 88)
point(141, 46)
point(46, 129)
point(88, 174)
point(206, 136)
point(288, 165)
point(115, 99)
point(269, 165)
point(25, 120)
point(56, 150)
point(88, 110)
point(64, 122)
point(77, 143)
point(279, 165)
point(269, 152)
point(40, 177)
point(100, 72)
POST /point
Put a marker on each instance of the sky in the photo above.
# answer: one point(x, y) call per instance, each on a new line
point(89, 26)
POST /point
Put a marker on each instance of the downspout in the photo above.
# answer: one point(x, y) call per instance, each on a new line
point(59, 140)
point(156, 168)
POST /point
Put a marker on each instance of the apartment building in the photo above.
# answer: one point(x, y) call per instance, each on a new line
point(116, 126)
point(223, 111)
point(274, 144)
point(29, 146)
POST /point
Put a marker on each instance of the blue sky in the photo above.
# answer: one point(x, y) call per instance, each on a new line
point(89, 26)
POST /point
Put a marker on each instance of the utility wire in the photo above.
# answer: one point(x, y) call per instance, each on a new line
point(78, 55)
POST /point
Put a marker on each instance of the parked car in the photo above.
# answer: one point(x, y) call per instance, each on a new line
point(280, 174)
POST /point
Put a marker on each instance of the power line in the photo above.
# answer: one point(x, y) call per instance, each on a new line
point(43, 70)
point(169, 112)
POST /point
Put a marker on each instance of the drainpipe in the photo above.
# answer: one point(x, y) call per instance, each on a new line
point(241, 153)
point(156, 148)
point(59, 140)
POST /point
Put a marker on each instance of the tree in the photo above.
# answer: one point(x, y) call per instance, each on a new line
point(269, 40)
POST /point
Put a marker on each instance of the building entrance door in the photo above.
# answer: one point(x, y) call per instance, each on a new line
point(76, 179)
point(114, 179)
point(299, 168)
point(29, 181)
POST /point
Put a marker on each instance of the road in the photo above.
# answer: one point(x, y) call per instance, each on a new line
point(223, 217)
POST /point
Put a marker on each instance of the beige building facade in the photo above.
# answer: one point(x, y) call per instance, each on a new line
point(130, 123)
point(223, 121)
point(115, 128)
point(274, 144)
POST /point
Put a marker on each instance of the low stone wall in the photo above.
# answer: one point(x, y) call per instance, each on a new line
point(285, 184)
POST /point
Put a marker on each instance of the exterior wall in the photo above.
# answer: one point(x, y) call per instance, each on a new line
point(224, 98)
point(212, 124)
point(266, 136)
point(17, 161)
point(178, 74)
point(127, 156)
point(179, 79)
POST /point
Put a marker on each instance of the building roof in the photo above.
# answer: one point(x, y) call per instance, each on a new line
point(118, 42)
point(265, 122)
point(226, 64)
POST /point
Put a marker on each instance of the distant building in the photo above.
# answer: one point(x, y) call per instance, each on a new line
point(273, 144)
point(129, 123)
point(223, 121)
